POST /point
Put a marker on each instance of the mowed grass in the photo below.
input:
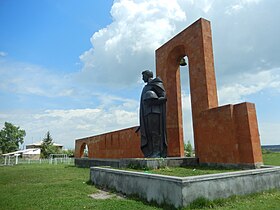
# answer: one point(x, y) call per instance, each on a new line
point(53, 187)
point(66, 187)
point(185, 171)
point(269, 200)
point(272, 158)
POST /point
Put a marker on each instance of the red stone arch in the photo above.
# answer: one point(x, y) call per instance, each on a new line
point(82, 149)
point(196, 43)
point(226, 134)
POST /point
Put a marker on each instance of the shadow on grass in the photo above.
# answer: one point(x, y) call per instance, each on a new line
point(89, 182)
point(70, 166)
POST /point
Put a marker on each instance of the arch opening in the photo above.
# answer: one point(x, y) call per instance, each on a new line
point(84, 151)
point(186, 103)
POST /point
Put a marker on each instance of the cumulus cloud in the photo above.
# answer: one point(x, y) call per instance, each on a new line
point(126, 47)
point(244, 44)
point(67, 125)
point(243, 41)
point(248, 84)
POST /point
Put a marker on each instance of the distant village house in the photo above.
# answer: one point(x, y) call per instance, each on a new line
point(39, 145)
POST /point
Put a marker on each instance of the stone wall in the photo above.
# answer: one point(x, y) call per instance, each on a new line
point(227, 134)
point(123, 143)
point(181, 191)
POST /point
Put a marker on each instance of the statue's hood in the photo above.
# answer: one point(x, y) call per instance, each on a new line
point(156, 80)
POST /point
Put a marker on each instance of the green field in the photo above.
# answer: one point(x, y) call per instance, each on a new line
point(47, 186)
point(53, 187)
point(272, 158)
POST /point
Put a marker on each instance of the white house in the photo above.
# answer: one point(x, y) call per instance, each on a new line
point(39, 145)
point(33, 154)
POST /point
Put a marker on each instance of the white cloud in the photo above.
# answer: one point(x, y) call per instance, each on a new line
point(237, 6)
point(111, 112)
point(126, 47)
point(3, 54)
point(117, 102)
point(248, 84)
point(67, 125)
point(23, 78)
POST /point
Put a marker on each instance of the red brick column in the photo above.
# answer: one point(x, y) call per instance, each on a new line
point(195, 42)
point(227, 134)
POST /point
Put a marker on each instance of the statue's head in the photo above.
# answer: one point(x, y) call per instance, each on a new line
point(147, 74)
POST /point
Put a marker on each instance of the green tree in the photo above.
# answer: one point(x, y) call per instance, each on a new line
point(47, 147)
point(10, 138)
point(69, 152)
point(188, 149)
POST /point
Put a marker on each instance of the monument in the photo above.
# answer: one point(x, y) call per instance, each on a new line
point(153, 117)
point(223, 135)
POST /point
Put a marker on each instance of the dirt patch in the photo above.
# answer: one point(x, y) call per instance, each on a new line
point(102, 195)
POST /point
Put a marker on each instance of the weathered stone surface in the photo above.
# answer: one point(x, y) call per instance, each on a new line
point(180, 191)
point(152, 163)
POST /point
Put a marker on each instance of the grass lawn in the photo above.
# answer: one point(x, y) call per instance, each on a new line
point(65, 187)
point(184, 171)
point(47, 186)
point(272, 158)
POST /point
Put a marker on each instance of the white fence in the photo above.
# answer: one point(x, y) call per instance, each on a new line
point(12, 160)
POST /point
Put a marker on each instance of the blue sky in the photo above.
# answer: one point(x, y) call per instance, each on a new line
point(74, 67)
point(51, 33)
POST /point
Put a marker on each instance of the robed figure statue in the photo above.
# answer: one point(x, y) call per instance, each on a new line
point(153, 117)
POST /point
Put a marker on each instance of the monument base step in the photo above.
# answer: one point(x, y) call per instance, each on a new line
point(151, 163)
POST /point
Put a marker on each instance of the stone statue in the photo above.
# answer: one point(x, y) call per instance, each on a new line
point(153, 117)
